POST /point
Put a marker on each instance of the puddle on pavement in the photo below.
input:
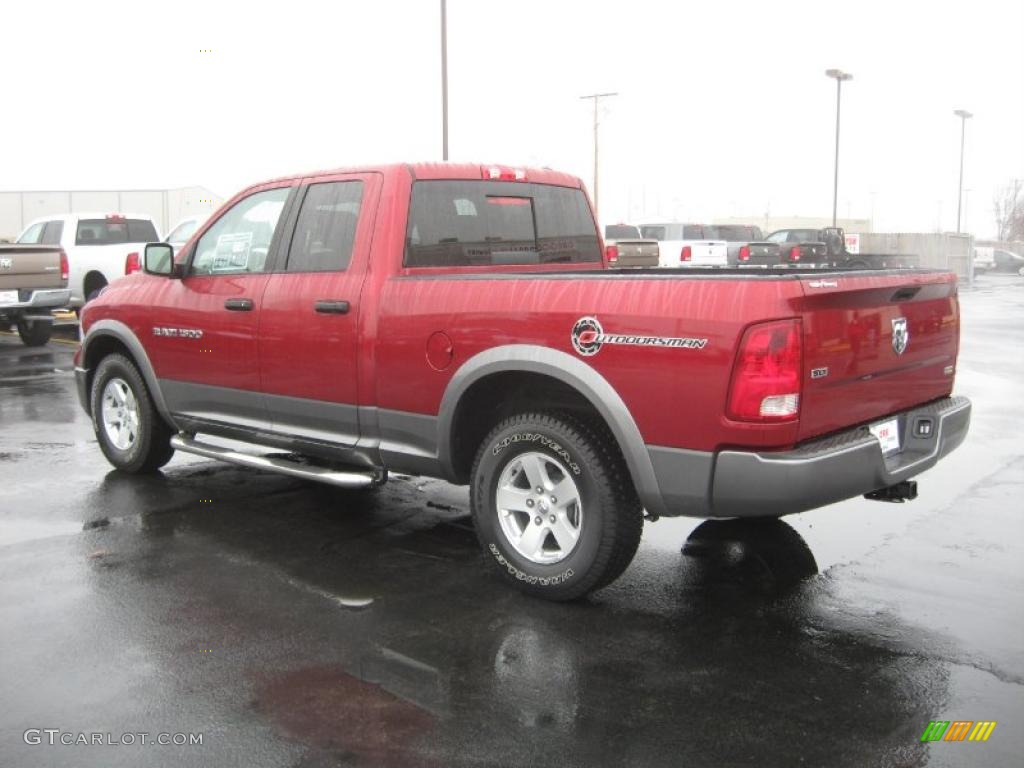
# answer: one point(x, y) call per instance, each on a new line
point(19, 531)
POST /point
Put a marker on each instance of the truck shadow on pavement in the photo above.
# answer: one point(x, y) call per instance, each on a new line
point(367, 628)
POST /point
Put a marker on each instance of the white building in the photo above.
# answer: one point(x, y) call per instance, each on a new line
point(166, 206)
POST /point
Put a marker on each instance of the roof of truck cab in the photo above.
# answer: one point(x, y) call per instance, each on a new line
point(440, 171)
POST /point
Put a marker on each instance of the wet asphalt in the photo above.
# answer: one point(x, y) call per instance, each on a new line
point(297, 625)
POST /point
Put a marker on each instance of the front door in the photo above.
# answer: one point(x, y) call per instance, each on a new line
point(203, 344)
point(310, 315)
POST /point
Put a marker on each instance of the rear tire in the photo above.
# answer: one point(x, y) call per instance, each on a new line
point(34, 333)
point(131, 434)
point(553, 505)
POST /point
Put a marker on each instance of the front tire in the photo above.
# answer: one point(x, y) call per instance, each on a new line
point(131, 434)
point(553, 505)
point(34, 333)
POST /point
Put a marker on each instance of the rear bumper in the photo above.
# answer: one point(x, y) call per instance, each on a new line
point(820, 472)
point(49, 298)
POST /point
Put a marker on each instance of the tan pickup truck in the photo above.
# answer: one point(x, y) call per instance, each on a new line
point(33, 281)
point(625, 248)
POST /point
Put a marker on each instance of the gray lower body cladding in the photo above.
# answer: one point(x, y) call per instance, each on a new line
point(819, 472)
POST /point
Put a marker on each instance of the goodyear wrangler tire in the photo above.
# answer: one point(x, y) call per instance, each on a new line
point(553, 505)
point(131, 434)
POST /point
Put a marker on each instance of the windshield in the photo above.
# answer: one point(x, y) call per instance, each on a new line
point(183, 231)
point(112, 231)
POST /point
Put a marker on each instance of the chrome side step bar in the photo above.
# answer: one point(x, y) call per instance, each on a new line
point(341, 478)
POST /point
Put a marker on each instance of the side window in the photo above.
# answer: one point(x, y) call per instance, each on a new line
point(142, 231)
point(52, 232)
point(326, 227)
point(239, 241)
point(32, 234)
point(777, 237)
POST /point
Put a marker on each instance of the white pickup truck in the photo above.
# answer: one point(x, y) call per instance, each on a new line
point(100, 247)
point(685, 245)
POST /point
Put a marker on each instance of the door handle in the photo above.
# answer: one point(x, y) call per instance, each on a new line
point(331, 307)
point(238, 305)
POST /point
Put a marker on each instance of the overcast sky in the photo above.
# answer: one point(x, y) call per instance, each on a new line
point(724, 108)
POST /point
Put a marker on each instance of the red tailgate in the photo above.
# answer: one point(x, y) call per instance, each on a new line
point(875, 345)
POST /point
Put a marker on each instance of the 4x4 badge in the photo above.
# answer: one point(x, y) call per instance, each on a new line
point(900, 335)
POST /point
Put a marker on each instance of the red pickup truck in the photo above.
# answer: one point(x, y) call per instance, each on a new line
point(459, 321)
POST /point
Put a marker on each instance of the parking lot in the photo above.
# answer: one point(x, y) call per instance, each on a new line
point(294, 624)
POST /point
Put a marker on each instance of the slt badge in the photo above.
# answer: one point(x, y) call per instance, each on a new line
point(900, 335)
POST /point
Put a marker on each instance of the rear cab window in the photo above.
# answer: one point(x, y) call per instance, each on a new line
point(52, 233)
point(730, 233)
point(621, 232)
point(498, 223)
point(115, 230)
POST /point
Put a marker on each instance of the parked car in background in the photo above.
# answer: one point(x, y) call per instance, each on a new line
point(984, 259)
point(100, 247)
point(802, 247)
point(746, 244)
point(685, 245)
point(1007, 261)
point(33, 281)
point(183, 230)
point(625, 248)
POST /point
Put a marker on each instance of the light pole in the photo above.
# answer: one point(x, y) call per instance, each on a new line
point(444, 80)
point(839, 76)
point(597, 98)
point(963, 114)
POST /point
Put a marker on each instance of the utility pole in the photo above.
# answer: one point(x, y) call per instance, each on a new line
point(597, 98)
point(963, 114)
point(839, 76)
point(444, 80)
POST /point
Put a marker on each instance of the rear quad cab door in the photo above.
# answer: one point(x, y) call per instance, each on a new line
point(309, 327)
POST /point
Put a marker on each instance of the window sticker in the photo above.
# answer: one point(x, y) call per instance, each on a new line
point(232, 252)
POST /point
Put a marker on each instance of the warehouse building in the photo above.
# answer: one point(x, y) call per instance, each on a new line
point(166, 206)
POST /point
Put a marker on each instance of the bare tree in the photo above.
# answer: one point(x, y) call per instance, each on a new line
point(1009, 210)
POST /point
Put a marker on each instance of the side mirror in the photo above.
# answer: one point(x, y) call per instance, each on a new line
point(158, 259)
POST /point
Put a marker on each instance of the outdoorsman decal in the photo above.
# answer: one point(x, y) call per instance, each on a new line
point(588, 337)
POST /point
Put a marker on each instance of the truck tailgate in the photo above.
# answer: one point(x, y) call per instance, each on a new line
point(637, 253)
point(30, 267)
point(875, 344)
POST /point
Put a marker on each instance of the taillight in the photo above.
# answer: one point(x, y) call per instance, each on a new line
point(131, 263)
point(794, 253)
point(686, 254)
point(64, 269)
point(502, 173)
point(744, 253)
point(766, 378)
point(611, 253)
